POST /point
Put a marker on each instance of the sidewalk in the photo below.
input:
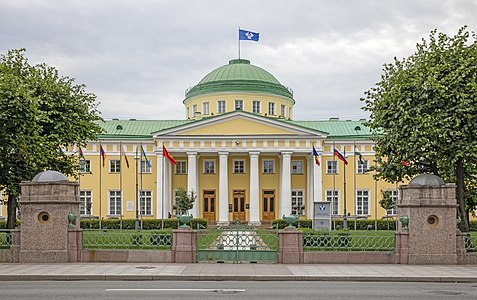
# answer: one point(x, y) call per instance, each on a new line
point(237, 272)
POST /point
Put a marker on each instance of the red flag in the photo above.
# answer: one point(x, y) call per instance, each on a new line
point(125, 157)
point(102, 153)
point(316, 156)
point(80, 151)
point(168, 155)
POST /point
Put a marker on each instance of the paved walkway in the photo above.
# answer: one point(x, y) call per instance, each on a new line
point(240, 272)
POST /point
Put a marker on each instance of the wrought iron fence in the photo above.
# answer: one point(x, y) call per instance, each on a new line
point(348, 241)
point(127, 239)
point(5, 238)
point(471, 242)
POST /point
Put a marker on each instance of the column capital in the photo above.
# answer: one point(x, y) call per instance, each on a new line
point(254, 153)
point(191, 153)
point(222, 153)
point(286, 153)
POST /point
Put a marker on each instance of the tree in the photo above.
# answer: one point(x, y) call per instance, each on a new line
point(40, 114)
point(185, 200)
point(387, 201)
point(423, 115)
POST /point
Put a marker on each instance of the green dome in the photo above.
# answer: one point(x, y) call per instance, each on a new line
point(239, 75)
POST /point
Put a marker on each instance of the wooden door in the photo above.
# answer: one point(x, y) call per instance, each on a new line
point(268, 206)
point(208, 207)
point(238, 206)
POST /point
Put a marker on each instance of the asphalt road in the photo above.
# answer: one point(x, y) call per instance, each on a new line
point(51, 290)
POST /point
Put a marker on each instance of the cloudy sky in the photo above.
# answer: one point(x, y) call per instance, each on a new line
point(139, 56)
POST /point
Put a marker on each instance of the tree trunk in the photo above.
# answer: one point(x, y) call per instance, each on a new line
point(12, 211)
point(464, 224)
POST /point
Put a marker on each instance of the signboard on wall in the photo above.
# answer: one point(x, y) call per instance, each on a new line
point(322, 215)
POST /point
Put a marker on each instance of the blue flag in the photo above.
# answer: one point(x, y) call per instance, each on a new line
point(246, 35)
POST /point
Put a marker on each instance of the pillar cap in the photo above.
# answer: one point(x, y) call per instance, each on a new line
point(49, 176)
point(427, 179)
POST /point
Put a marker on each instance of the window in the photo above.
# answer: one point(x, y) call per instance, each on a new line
point(221, 106)
point(146, 166)
point(362, 202)
point(282, 111)
point(297, 167)
point(271, 108)
point(394, 197)
point(114, 166)
point(86, 202)
point(181, 167)
point(115, 203)
point(194, 109)
point(238, 104)
point(333, 196)
point(146, 203)
point(268, 166)
point(256, 106)
point(239, 166)
point(362, 167)
point(331, 167)
point(298, 206)
point(85, 166)
point(209, 166)
point(205, 108)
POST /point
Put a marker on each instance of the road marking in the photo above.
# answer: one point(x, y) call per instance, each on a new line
point(177, 290)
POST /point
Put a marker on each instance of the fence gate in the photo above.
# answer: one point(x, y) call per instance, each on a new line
point(237, 243)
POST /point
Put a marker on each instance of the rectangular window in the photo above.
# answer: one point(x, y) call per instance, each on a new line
point(268, 166)
point(362, 202)
point(282, 111)
point(85, 166)
point(209, 167)
point(256, 106)
point(271, 108)
point(362, 167)
point(146, 203)
point(297, 167)
point(114, 203)
point(86, 203)
point(394, 197)
point(298, 205)
point(114, 166)
point(333, 196)
point(205, 108)
point(221, 106)
point(239, 166)
point(238, 104)
point(146, 166)
point(331, 167)
point(181, 167)
point(194, 109)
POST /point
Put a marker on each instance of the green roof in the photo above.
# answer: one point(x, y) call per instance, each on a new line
point(239, 75)
point(143, 129)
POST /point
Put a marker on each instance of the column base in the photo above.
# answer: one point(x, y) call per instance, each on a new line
point(254, 223)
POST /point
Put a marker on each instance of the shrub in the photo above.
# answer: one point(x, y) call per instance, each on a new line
point(146, 223)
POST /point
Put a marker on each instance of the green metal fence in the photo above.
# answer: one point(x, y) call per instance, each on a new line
point(237, 243)
point(127, 239)
point(471, 242)
point(5, 239)
point(348, 241)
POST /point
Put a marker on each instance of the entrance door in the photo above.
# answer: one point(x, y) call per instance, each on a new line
point(209, 206)
point(268, 206)
point(238, 205)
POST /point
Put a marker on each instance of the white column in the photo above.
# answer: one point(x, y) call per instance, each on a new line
point(309, 185)
point(192, 181)
point(167, 188)
point(285, 185)
point(223, 188)
point(160, 185)
point(254, 190)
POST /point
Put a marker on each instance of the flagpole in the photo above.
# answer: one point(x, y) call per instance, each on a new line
point(136, 158)
point(121, 184)
point(100, 187)
point(355, 164)
point(141, 195)
point(334, 181)
point(162, 183)
point(375, 199)
point(345, 218)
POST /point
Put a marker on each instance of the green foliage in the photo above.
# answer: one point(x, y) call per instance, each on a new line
point(184, 201)
point(423, 112)
point(147, 224)
point(40, 113)
point(387, 201)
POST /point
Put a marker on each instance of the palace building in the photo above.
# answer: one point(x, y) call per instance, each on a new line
point(239, 150)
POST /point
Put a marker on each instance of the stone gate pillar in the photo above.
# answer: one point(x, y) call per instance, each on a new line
point(429, 206)
point(49, 230)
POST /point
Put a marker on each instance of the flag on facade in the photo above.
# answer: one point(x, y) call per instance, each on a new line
point(148, 162)
point(340, 156)
point(80, 153)
point(360, 157)
point(125, 157)
point(245, 35)
point(168, 155)
point(316, 156)
point(102, 153)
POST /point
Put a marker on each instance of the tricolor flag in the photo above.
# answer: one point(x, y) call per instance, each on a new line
point(340, 156)
point(102, 153)
point(316, 156)
point(168, 155)
point(246, 35)
point(125, 157)
point(360, 157)
point(148, 163)
point(80, 153)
